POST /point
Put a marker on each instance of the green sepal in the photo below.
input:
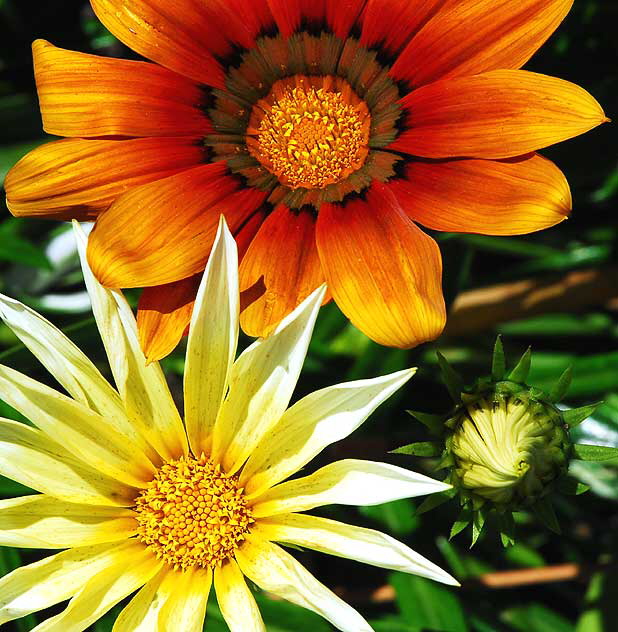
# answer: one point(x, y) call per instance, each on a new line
point(570, 486)
point(506, 526)
point(521, 370)
point(574, 416)
point(421, 448)
point(451, 379)
point(478, 522)
point(544, 511)
point(446, 461)
point(435, 500)
point(562, 386)
point(498, 361)
point(463, 520)
point(434, 423)
point(584, 452)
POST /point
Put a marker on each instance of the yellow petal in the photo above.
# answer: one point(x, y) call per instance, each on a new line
point(30, 457)
point(314, 422)
point(276, 571)
point(145, 393)
point(213, 336)
point(130, 569)
point(55, 578)
point(347, 482)
point(142, 613)
point(185, 607)
point(261, 385)
point(236, 602)
point(44, 522)
point(344, 540)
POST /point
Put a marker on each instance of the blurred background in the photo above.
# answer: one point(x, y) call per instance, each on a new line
point(556, 290)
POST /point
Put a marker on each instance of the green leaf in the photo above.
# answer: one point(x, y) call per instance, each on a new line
point(498, 362)
point(434, 423)
point(435, 500)
point(478, 522)
point(585, 452)
point(421, 448)
point(397, 516)
point(571, 487)
point(451, 378)
point(574, 416)
point(506, 525)
point(463, 520)
point(602, 603)
point(521, 370)
point(15, 249)
point(562, 386)
point(536, 618)
point(544, 511)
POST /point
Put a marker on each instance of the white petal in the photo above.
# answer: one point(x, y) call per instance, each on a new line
point(261, 384)
point(237, 604)
point(44, 522)
point(213, 336)
point(130, 570)
point(143, 388)
point(72, 368)
point(30, 457)
point(355, 543)
point(86, 433)
point(185, 607)
point(348, 482)
point(142, 613)
point(276, 571)
point(54, 579)
point(313, 423)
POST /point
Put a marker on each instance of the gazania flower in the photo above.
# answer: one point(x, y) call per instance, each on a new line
point(143, 502)
point(323, 130)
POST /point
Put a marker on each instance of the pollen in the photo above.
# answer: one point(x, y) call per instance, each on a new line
point(310, 131)
point(192, 514)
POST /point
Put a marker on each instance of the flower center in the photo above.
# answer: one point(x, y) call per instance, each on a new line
point(310, 131)
point(192, 514)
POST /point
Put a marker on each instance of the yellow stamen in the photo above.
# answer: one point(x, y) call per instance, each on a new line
point(192, 514)
point(310, 131)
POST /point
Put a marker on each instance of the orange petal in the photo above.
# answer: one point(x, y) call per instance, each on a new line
point(280, 269)
point(76, 178)
point(499, 114)
point(178, 35)
point(383, 271)
point(163, 314)
point(87, 95)
point(469, 38)
point(482, 196)
point(163, 231)
point(390, 24)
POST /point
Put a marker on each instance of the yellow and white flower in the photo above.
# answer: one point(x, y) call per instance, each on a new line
point(145, 502)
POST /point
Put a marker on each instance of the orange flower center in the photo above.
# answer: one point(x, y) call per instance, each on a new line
point(192, 514)
point(310, 131)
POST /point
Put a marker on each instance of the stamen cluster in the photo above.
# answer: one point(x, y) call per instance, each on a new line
point(192, 514)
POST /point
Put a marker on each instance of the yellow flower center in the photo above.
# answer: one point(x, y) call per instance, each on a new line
point(192, 514)
point(310, 131)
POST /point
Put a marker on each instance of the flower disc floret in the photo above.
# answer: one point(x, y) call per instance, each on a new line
point(192, 514)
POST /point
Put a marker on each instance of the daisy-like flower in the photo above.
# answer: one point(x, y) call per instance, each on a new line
point(324, 131)
point(144, 502)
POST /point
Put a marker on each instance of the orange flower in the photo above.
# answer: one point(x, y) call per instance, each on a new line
point(324, 131)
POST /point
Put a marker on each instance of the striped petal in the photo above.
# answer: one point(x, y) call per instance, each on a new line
point(261, 384)
point(355, 543)
point(187, 596)
point(498, 114)
point(512, 197)
point(236, 602)
point(162, 232)
point(141, 614)
point(347, 482)
point(178, 36)
point(281, 268)
point(467, 38)
point(44, 522)
point(383, 271)
point(213, 336)
point(77, 178)
point(86, 95)
point(105, 589)
point(314, 422)
point(31, 458)
point(55, 578)
point(276, 571)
